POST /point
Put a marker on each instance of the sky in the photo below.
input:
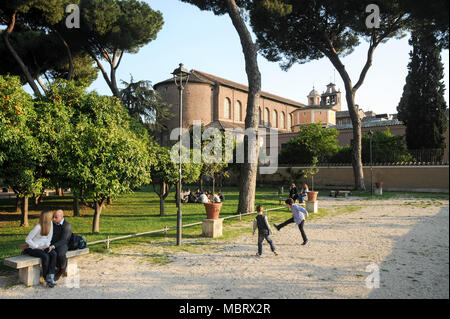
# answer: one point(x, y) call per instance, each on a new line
point(202, 41)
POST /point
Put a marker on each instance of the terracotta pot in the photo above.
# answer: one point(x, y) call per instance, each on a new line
point(212, 210)
point(312, 196)
point(379, 184)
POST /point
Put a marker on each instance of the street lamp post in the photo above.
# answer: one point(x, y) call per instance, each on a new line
point(371, 164)
point(181, 78)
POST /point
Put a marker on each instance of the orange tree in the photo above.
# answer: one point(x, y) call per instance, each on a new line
point(21, 156)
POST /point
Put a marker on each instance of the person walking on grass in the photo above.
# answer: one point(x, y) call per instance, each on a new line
point(298, 217)
point(261, 223)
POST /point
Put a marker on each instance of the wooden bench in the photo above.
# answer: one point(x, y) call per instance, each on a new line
point(345, 193)
point(30, 267)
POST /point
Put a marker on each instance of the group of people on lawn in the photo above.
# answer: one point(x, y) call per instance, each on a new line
point(200, 197)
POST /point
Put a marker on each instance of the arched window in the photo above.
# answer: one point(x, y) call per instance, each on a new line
point(266, 116)
point(289, 122)
point(275, 119)
point(282, 121)
point(227, 108)
point(238, 111)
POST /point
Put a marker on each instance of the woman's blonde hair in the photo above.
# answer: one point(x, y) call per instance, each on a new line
point(45, 220)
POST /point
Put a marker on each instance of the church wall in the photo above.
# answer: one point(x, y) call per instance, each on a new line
point(197, 103)
point(237, 95)
point(234, 96)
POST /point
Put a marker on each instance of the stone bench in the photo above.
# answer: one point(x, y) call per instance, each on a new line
point(344, 193)
point(30, 267)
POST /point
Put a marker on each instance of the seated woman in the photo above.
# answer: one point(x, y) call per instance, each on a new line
point(185, 196)
point(38, 241)
point(303, 193)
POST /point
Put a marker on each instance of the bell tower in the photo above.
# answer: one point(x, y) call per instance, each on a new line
point(313, 98)
point(332, 98)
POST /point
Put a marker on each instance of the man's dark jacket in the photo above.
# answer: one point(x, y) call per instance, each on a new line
point(61, 234)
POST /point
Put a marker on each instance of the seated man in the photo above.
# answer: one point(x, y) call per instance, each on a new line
point(60, 240)
point(215, 198)
point(191, 198)
point(293, 192)
point(221, 196)
point(198, 192)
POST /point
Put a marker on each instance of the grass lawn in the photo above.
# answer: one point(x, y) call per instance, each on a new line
point(139, 212)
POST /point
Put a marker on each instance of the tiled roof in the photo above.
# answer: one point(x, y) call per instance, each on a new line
point(202, 77)
point(342, 114)
point(370, 124)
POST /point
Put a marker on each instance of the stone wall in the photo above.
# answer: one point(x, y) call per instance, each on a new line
point(394, 178)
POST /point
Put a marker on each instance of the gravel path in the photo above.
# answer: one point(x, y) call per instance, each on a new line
point(408, 244)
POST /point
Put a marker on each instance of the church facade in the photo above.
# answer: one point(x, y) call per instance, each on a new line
point(221, 103)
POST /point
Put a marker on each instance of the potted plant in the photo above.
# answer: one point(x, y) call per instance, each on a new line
point(311, 171)
point(214, 170)
point(212, 210)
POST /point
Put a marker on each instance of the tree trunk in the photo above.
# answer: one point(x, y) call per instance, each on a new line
point(69, 54)
point(248, 170)
point(19, 61)
point(201, 183)
point(76, 207)
point(18, 205)
point(164, 191)
point(37, 200)
point(24, 218)
point(161, 206)
point(114, 88)
point(356, 121)
point(358, 172)
point(98, 210)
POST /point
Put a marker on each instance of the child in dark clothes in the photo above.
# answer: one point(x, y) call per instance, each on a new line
point(261, 223)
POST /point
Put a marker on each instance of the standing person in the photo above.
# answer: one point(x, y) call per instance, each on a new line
point(303, 193)
point(38, 241)
point(261, 223)
point(293, 192)
point(60, 240)
point(298, 216)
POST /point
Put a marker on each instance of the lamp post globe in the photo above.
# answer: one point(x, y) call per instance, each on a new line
point(181, 78)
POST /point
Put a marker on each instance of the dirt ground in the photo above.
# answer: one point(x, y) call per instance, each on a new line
point(405, 242)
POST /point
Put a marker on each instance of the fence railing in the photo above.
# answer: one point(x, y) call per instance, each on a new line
point(164, 230)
